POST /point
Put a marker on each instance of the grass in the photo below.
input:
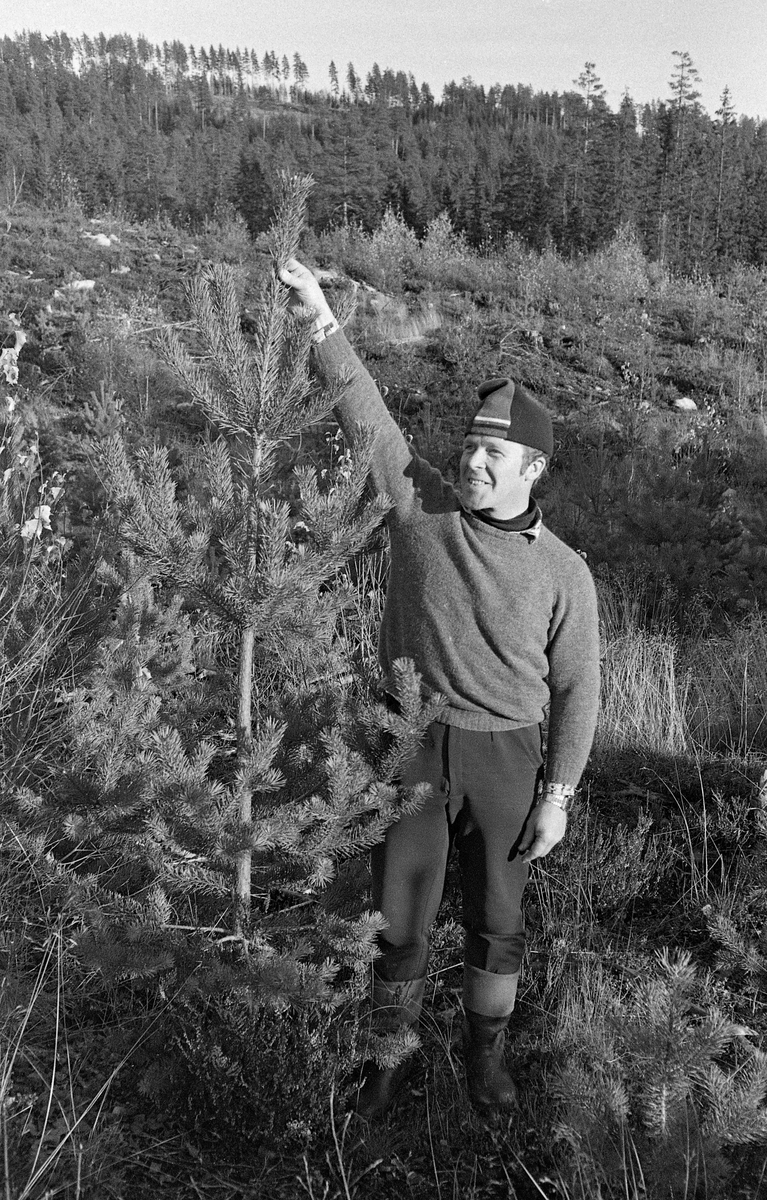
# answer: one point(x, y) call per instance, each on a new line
point(52, 1107)
point(644, 701)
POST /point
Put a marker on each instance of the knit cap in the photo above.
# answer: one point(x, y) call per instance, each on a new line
point(507, 411)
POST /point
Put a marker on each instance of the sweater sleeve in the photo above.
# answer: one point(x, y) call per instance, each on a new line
point(395, 468)
point(573, 654)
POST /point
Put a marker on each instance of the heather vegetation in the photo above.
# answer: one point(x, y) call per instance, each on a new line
point(190, 584)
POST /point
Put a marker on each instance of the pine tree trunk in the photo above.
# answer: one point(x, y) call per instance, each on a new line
point(244, 747)
point(719, 191)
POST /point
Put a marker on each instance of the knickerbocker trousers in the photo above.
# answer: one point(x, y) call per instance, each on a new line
point(483, 787)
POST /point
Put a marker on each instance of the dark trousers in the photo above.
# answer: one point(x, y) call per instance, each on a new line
point(483, 787)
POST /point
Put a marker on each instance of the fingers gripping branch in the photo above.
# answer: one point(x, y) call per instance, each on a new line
point(305, 290)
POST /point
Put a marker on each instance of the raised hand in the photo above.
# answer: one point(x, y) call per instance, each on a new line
point(305, 289)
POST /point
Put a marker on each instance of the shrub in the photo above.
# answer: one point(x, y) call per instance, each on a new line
point(393, 247)
point(618, 275)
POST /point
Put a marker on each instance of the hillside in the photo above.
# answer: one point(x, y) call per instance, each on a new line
point(185, 133)
point(656, 384)
point(642, 1011)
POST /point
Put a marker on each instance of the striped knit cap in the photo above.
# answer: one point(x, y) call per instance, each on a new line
point(507, 411)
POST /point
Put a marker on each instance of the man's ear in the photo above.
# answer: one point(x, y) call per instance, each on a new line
point(534, 470)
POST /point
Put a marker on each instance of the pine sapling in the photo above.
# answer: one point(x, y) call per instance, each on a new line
point(658, 1084)
point(260, 558)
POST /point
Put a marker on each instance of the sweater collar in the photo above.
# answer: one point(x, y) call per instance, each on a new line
point(532, 532)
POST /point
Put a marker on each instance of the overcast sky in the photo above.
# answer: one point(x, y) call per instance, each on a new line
point(544, 43)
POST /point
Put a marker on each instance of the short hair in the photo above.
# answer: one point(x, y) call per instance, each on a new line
point(529, 455)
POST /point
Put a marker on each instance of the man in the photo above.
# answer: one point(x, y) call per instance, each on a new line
point(500, 617)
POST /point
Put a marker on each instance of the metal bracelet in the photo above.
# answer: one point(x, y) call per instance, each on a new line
point(560, 794)
point(319, 335)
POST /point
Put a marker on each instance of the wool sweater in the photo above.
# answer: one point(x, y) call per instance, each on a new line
point(502, 623)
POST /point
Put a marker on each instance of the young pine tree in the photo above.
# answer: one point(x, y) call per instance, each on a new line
point(659, 1086)
point(235, 865)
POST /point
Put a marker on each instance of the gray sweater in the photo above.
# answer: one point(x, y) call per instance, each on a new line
point(501, 623)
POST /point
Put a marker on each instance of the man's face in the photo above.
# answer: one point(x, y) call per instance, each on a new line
point(493, 479)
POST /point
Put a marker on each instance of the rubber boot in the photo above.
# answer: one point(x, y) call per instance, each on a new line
point(490, 1084)
point(488, 1002)
point(394, 1004)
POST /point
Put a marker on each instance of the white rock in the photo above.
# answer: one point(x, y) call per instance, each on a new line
point(81, 285)
point(684, 404)
point(323, 276)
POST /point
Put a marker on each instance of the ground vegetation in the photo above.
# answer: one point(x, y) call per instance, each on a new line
point(157, 1033)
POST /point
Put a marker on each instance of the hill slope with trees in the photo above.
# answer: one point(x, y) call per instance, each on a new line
point(184, 132)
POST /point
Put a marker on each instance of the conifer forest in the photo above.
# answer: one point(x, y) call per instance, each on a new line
point(195, 752)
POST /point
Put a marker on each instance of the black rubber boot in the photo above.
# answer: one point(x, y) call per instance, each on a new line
point(490, 1084)
point(394, 1005)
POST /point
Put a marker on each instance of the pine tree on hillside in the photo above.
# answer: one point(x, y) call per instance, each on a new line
point(229, 764)
point(350, 183)
point(724, 129)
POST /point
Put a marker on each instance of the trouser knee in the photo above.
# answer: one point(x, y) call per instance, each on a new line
point(407, 961)
point(500, 952)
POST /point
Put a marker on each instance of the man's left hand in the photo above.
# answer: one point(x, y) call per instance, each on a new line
point(544, 829)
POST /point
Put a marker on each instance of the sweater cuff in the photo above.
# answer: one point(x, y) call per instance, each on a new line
point(333, 353)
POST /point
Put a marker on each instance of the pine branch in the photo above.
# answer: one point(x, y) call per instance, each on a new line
point(173, 352)
point(216, 312)
point(293, 193)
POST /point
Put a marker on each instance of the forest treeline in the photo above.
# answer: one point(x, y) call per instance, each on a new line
point(169, 130)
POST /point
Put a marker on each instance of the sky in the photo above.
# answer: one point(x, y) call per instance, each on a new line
point(543, 43)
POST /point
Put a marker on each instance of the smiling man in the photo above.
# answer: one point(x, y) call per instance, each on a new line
point(500, 617)
point(497, 473)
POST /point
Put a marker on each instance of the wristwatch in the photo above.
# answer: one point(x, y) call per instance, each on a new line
point(320, 332)
point(561, 794)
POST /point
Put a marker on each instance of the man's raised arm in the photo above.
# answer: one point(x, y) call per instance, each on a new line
point(362, 403)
